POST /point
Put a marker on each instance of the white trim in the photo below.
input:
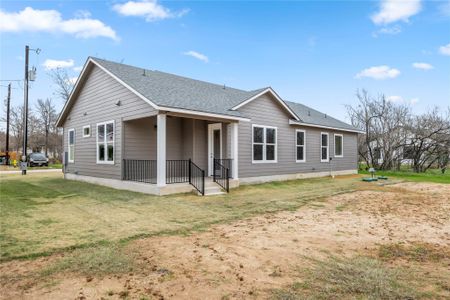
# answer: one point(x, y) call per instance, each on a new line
point(271, 91)
point(87, 135)
point(234, 131)
point(204, 114)
point(75, 87)
point(105, 143)
point(342, 145)
point(161, 121)
point(292, 122)
point(328, 147)
point(264, 144)
point(211, 128)
point(68, 145)
point(304, 146)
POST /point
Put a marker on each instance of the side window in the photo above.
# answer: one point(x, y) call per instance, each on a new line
point(300, 145)
point(87, 131)
point(71, 144)
point(324, 156)
point(105, 143)
point(264, 144)
point(338, 145)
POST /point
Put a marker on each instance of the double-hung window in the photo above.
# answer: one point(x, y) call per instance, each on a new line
point(300, 138)
point(324, 155)
point(71, 145)
point(105, 143)
point(264, 144)
point(338, 145)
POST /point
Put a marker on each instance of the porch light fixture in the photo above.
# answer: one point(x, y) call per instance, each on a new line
point(118, 103)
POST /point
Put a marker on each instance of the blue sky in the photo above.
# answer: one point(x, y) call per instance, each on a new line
point(314, 52)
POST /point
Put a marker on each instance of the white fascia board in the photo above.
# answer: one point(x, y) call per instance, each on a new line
point(271, 91)
point(75, 87)
point(125, 85)
point(292, 122)
point(89, 61)
point(200, 113)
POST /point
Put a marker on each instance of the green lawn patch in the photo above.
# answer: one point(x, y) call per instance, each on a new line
point(432, 175)
point(42, 213)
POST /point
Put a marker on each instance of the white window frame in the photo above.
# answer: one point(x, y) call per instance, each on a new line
point(264, 161)
point(68, 145)
point(342, 145)
point(87, 135)
point(304, 146)
point(322, 146)
point(106, 161)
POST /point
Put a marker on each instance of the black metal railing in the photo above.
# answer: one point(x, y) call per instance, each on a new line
point(227, 163)
point(197, 177)
point(177, 171)
point(221, 175)
point(139, 170)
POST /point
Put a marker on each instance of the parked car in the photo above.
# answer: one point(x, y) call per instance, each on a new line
point(37, 159)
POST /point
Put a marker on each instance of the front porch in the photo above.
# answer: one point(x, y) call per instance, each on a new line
point(166, 150)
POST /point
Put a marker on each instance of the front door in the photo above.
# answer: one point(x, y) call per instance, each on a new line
point(214, 145)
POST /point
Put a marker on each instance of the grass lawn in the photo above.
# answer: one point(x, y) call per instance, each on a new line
point(42, 213)
point(432, 175)
point(12, 168)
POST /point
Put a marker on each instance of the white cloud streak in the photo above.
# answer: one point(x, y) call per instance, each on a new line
point(401, 100)
point(445, 50)
point(151, 10)
point(51, 64)
point(396, 10)
point(35, 20)
point(422, 66)
point(197, 55)
point(378, 73)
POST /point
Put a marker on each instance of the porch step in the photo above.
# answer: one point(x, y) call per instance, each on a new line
point(212, 188)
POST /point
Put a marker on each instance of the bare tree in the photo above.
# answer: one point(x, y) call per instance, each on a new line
point(47, 113)
point(429, 140)
point(63, 82)
point(383, 124)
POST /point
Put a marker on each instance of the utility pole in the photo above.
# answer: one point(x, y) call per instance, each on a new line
point(8, 103)
point(25, 113)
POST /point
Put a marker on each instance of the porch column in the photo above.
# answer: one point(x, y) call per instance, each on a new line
point(161, 150)
point(234, 149)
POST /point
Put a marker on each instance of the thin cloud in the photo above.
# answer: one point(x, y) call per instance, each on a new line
point(36, 20)
point(422, 66)
point(393, 30)
point(401, 100)
point(148, 9)
point(197, 55)
point(396, 10)
point(378, 73)
point(78, 69)
point(51, 64)
point(445, 50)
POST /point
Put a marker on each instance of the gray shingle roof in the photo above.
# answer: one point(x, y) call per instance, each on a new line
point(175, 91)
point(311, 116)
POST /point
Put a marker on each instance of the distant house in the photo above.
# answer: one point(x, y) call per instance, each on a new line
point(154, 132)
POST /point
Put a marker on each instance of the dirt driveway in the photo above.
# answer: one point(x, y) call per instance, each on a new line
point(252, 257)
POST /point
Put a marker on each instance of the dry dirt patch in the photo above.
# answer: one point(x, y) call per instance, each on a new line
point(251, 257)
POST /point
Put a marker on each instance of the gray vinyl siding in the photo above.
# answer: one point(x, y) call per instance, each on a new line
point(186, 139)
point(267, 111)
point(96, 103)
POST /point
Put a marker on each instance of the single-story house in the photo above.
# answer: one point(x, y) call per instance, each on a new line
point(159, 133)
